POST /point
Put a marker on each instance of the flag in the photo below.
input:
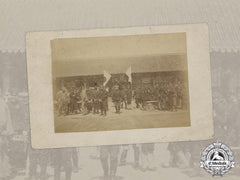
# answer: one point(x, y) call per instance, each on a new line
point(107, 76)
point(129, 74)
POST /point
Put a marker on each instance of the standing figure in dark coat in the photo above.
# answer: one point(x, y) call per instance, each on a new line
point(129, 96)
point(138, 97)
point(96, 100)
point(103, 101)
point(73, 101)
point(116, 98)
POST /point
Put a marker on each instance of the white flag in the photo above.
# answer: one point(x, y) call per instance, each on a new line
point(129, 74)
point(107, 76)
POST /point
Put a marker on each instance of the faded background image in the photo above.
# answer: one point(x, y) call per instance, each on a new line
point(178, 160)
point(120, 82)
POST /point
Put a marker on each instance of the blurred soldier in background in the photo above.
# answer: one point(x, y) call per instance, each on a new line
point(38, 158)
point(109, 169)
point(124, 153)
point(62, 159)
point(147, 156)
point(136, 151)
point(6, 129)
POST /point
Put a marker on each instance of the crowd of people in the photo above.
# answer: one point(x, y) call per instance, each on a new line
point(167, 96)
point(164, 96)
point(82, 100)
point(66, 161)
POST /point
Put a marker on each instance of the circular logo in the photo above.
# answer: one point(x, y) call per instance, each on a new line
point(217, 159)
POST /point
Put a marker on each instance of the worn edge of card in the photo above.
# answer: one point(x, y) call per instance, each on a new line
point(39, 69)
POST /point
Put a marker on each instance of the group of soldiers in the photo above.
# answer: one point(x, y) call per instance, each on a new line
point(96, 100)
point(82, 100)
point(85, 100)
point(164, 98)
point(92, 99)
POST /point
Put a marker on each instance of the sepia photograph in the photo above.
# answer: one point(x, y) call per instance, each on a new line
point(121, 82)
point(119, 86)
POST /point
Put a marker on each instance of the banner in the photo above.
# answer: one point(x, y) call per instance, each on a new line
point(107, 76)
point(129, 74)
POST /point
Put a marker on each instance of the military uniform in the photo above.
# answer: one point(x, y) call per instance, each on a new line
point(116, 98)
point(88, 100)
point(96, 104)
point(73, 101)
point(60, 99)
point(138, 97)
point(129, 96)
point(66, 103)
point(124, 98)
point(103, 101)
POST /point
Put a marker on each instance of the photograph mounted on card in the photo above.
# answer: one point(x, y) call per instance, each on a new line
point(119, 86)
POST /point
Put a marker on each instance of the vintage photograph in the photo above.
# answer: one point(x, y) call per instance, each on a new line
point(120, 82)
point(119, 86)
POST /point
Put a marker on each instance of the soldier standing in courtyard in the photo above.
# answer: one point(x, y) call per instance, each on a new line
point(103, 101)
point(116, 98)
point(73, 100)
point(59, 98)
point(129, 95)
point(138, 97)
point(124, 97)
point(96, 97)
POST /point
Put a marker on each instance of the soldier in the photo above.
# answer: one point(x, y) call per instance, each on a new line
point(62, 159)
point(124, 97)
point(88, 100)
point(147, 156)
point(66, 102)
point(109, 169)
point(129, 95)
point(136, 150)
point(79, 100)
point(38, 158)
point(116, 98)
point(59, 99)
point(103, 101)
point(96, 97)
point(124, 153)
point(138, 97)
point(73, 100)
point(174, 98)
point(179, 95)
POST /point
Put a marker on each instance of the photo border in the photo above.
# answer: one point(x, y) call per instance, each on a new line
point(41, 92)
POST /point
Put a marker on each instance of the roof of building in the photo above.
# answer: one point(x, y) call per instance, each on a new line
point(120, 65)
